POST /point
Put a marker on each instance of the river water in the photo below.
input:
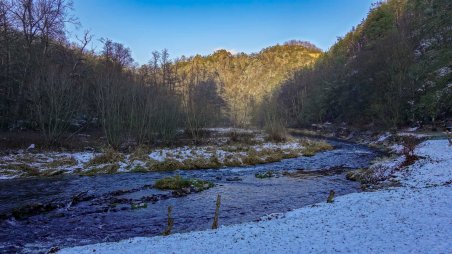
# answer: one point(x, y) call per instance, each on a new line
point(98, 208)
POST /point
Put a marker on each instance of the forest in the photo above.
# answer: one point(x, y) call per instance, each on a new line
point(390, 71)
point(57, 87)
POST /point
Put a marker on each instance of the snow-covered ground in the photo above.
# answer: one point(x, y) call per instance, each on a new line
point(413, 218)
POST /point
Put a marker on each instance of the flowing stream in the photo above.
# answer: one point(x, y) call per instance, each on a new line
point(77, 210)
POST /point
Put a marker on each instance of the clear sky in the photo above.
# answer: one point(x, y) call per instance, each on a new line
point(188, 27)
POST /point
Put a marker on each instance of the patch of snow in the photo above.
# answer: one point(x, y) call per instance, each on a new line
point(416, 135)
point(411, 129)
point(282, 146)
point(442, 72)
point(83, 157)
point(228, 130)
point(6, 177)
point(383, 137)
point(397, 148)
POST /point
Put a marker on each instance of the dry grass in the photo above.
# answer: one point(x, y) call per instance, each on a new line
point(367, 176)
point(303, 132)
point(312, 147)
point(23, 168)
point(108, 157)
point(252, 158)
point(232, 162)
point(140, 169)
point(166, 165)
point(141, 153)
point(276, 134)
point(66, 161)
point(274, 157)
point(106, 169)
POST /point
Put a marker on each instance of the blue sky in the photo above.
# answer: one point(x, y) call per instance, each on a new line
point(188, 27)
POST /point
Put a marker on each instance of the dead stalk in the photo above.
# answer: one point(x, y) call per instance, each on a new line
point(217, 211)
point(331, 197)
point(170, 222)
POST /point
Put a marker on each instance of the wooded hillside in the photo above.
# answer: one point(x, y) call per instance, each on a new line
point(393, 69)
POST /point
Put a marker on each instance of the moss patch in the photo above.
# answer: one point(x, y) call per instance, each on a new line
point(178, 182)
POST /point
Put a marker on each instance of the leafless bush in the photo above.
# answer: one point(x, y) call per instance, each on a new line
point(409, 144)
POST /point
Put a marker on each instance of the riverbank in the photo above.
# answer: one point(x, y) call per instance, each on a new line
point(222, 147)
point(415, 217)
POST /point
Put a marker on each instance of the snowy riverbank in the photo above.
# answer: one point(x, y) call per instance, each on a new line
point(413, 218)
point(223, 148)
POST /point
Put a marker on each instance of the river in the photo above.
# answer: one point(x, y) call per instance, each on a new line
point(85, 210)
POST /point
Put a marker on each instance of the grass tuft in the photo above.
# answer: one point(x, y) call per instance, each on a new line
point(177, 182)
point(106, 169)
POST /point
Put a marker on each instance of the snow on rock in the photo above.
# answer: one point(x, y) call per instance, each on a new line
point(414, 218)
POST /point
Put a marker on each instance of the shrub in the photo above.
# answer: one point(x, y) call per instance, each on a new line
point(276, 132)
point(409, 144)
point(241, 138)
